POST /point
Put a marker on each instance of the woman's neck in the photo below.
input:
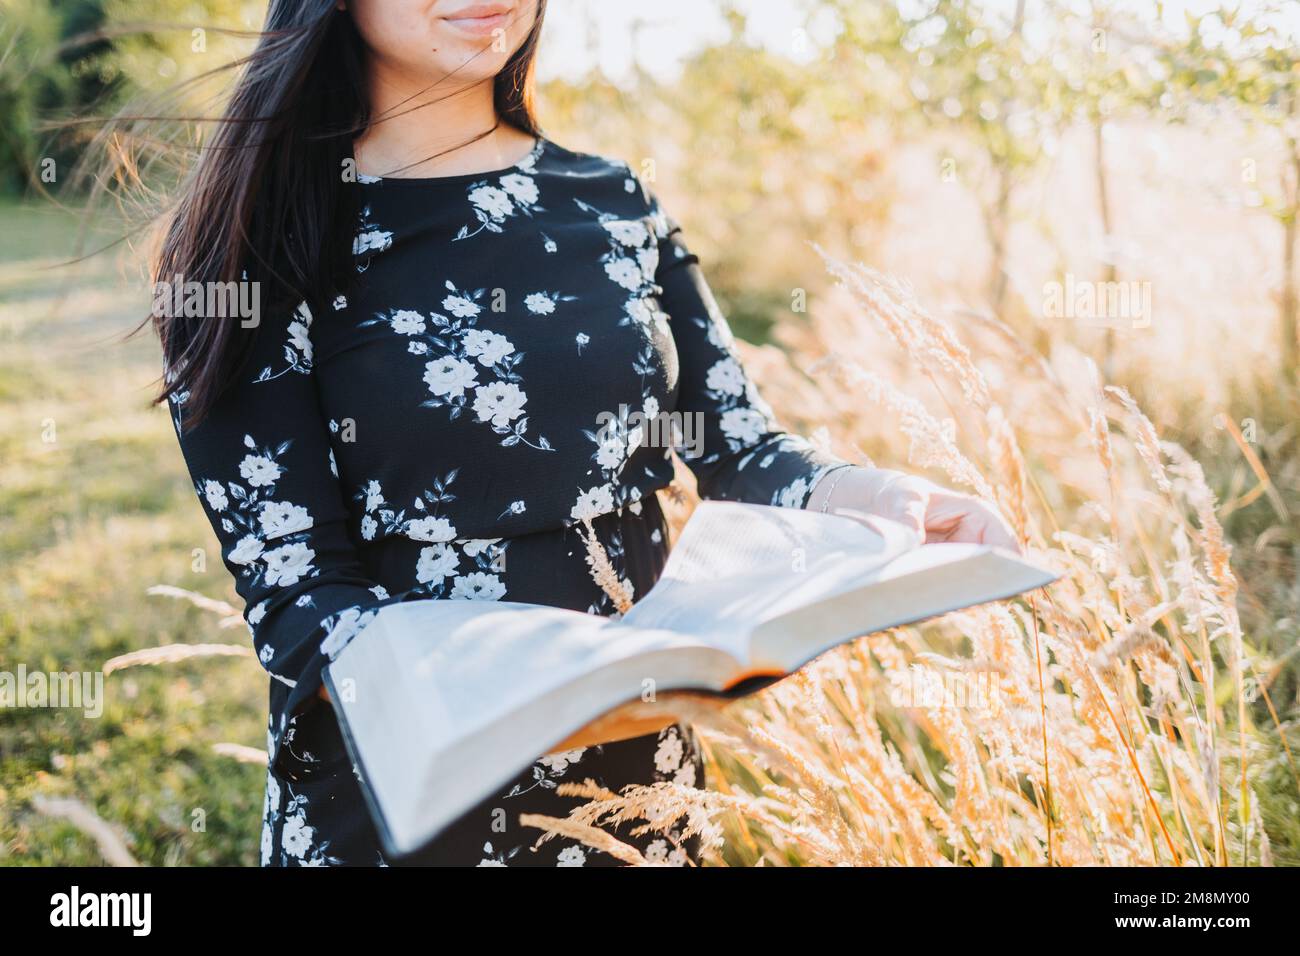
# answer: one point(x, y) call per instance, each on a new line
point(420, 130)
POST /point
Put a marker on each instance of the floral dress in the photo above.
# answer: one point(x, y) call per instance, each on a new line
point(518, 351)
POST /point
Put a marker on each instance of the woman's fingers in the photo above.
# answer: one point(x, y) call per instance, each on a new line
point(969, 520)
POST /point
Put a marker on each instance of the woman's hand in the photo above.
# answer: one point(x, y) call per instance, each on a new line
point(934, 512)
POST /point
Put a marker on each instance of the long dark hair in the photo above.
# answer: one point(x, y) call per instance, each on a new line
point(268, 200)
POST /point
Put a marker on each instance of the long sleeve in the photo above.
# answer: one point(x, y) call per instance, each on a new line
point(742, 454)
point(263, 468)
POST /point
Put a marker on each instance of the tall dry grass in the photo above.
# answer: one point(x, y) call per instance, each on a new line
point(1109, 721)
point(1104, 720)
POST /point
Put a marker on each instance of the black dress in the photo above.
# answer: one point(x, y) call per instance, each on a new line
point(438, 433)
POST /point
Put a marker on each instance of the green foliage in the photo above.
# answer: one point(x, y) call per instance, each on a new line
point(51, 69)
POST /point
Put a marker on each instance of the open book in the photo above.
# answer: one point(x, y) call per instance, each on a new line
point(749, 594)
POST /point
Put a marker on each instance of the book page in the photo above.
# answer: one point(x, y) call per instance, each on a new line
point(442, 701)
point(471, 662)
point(921, 584)
point(738, 565)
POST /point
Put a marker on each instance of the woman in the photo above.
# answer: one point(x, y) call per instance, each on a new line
point(452, 309)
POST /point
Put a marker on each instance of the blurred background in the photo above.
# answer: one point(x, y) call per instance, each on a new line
point(997, 155)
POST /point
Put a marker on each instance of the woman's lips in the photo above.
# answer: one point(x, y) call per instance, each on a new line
point(479, 25)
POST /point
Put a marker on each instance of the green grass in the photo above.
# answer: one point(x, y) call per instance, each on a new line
point(95, 506)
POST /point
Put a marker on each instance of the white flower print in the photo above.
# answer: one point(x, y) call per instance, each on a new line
point(478, 586)
point(368, 527)
point(436, 563)
point(298, 339)
point(215, 495)
point(612, 451)
point(342, 627)
point(257, 613)
point(407, 322)
point(659, 852)
point(280, 518)
point(252, 515)
point(297, 347)
point(371, 240)
point(430, 529)
point(448, 377)
point(548, 770)
point(523, 189)
point(515, 192)
point(248, 550)
point(626, 272)
point(296, 838)
point(473, 547)
point(515, 508)
point(539, 303)
point(340, 302)
point(270, 812)
point(593, 503)
point(648, 261)
point(460, 306)
point(668, 755)
point(743, 425)
point(719, 332)
point(374, 496)
point(287, 564)
point(272, 785)
point(264, 853)
point(488, 347)
point(491, 201)
point(259, 470)
point(493, 858)
point(628, 232)
point(500, 403)
point(571, 856)
point(793, 494)
point(464, 355)
point(725, 376)
point(639, 311)
point(560, 761)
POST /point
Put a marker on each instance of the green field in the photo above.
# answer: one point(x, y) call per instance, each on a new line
point(95, 507)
